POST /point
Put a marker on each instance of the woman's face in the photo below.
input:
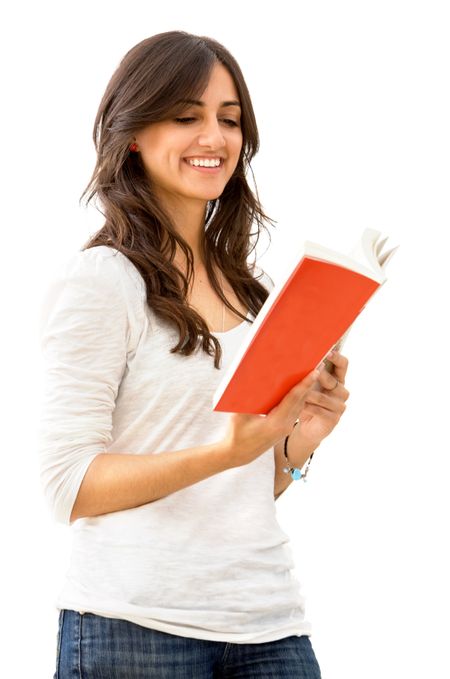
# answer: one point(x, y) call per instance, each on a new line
point(210, 129)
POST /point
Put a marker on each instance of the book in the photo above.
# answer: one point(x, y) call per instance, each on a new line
point(309, 311)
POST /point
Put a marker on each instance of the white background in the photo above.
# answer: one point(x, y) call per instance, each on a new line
point(352, 103)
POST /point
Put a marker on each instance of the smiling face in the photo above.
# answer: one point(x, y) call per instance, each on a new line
point(208, 128)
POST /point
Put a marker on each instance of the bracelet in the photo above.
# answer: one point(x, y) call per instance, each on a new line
point(294, 471)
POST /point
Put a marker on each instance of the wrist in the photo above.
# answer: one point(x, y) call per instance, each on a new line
point(300, 447)
point(298, 450)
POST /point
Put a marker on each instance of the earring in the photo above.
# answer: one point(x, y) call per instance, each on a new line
point(133, 147)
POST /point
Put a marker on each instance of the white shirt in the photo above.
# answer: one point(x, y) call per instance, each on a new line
point(209, 561)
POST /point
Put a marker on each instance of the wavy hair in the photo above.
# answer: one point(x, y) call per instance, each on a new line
point(147, 86)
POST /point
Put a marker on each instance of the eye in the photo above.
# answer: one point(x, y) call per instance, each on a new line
point(228, 121)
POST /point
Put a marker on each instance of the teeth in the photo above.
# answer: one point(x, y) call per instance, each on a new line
point(213, 162)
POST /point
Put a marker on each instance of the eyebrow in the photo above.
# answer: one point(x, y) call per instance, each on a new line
point(196, 102)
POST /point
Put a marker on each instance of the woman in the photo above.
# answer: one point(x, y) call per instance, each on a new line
point(179, 567)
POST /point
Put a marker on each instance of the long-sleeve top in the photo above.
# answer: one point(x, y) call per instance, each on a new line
point(209, 561)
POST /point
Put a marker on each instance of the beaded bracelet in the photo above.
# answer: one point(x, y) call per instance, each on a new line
point(294, 471)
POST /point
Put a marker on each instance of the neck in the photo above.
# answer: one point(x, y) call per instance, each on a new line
point(188, 218)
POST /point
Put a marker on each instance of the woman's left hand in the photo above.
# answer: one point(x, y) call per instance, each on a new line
point(325, 404)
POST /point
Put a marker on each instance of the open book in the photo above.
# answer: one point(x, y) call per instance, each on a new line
point(308, 312)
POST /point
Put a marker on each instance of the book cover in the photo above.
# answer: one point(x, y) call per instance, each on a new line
point(304, 316)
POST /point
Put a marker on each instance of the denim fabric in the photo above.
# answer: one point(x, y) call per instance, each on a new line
point(94, 647)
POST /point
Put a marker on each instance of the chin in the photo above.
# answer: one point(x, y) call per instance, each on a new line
point(214, 196)
point(209, 195)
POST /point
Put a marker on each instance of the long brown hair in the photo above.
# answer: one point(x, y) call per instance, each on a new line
point(151, 78)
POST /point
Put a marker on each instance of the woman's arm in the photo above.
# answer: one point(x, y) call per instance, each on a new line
point(282, 480)
point(117, 481)
point(320, 413)
point(297, 459)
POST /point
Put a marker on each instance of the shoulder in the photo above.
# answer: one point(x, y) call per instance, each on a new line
point(99, 263)
point(107, 267)
point(91, 285)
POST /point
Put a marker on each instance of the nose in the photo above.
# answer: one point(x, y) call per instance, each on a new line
point(211, 134)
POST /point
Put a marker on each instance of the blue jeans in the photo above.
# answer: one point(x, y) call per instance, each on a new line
point(91, 646)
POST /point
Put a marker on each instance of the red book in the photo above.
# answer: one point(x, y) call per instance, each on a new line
point(307, 313)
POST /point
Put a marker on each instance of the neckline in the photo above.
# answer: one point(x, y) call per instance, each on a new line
point(227, 332)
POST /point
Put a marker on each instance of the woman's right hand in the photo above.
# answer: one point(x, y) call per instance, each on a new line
point(249, 435)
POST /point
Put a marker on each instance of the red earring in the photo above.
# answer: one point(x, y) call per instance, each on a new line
point(133, 147)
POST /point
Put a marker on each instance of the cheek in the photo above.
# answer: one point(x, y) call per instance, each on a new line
point(237, 144)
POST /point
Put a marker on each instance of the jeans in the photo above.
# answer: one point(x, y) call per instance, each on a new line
point(91, 646)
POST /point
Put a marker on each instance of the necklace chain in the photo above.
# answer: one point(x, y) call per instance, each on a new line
point(223, 303)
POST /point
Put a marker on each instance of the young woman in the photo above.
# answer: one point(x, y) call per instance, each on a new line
point(179, 568)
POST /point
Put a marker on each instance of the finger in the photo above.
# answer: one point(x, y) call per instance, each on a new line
point(328, 380)
point(297, 395)
point(326, 401)
point(327, 415)
point(331, 383)
point(340, 363)
point(294, 399)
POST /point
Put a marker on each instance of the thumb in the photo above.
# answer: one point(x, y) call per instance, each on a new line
point(292, 402)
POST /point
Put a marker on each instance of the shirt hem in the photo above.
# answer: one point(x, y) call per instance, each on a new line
point(299, 628)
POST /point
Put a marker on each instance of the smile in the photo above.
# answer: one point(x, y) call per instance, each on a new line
point(210, 166)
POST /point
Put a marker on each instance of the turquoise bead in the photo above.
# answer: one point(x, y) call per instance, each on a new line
point(296, 474)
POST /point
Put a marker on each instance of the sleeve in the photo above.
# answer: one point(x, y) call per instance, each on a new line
point(84, 335)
